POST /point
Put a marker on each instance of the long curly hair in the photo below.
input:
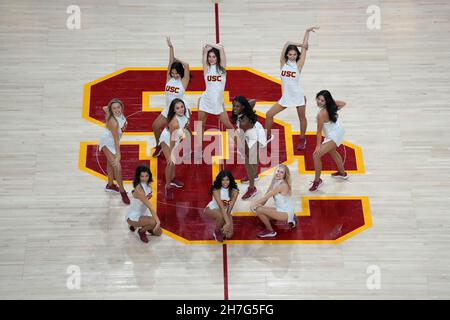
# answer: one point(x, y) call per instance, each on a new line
point(246, 112)
point(217, 185)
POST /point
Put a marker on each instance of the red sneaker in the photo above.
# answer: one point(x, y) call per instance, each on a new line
point(316, 185)
point(169, 193)
point(266, 234)
point(157, 151)
point(251, 192)
point(142, 236)
point(293, 224)
point(176, 183)
point(114, 188)
point(246, 180)
point(218, 235)
point(302, 144)
point(343, 176)
point(125, 198)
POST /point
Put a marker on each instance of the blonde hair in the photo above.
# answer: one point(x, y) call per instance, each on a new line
point(110, 112)
point(287, 177)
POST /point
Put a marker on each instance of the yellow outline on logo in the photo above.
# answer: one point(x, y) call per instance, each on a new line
point(146, 96)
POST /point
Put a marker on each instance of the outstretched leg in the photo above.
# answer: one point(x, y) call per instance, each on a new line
point(323, 149)
point(274, 110)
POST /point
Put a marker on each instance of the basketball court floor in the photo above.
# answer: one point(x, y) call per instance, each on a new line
point(382, 234)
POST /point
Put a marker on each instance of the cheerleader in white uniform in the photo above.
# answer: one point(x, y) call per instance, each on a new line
point(327, 120)
point(211, 101)
point(138, 213)
point(280, 189)
point(178, 77)
point(254, 136)
point(224, 193)
point(110, 145)
point(293, 96)
point(176, 130)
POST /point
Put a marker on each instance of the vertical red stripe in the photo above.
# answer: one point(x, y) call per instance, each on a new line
point(225, 272)
point(224, 246)
point(216, 13)
point(216, 7)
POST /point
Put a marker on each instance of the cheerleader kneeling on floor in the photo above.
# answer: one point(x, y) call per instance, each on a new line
point(224, 192)
point(138, 213)
point(280, 189)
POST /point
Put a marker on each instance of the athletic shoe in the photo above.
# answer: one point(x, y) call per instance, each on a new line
point(302, 144)
point(266, 234)
point(246, 180)
point(251, 192)
point(113, 189)
point(218, 235)
point(343, 176)
point(293, 224)
point(316, 185)
point(142, 236)
point(125, 198)
point(176, 183)
point(132, 229)
point(169, 193)
point(157, 151)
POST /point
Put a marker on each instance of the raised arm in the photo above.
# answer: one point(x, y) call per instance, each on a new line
point(187, 73)
point(106, 111)
point(223, 57)
point(171, 56)
point(205, 57)
point(340, 104)
point(301, 61)
point(252, 103)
